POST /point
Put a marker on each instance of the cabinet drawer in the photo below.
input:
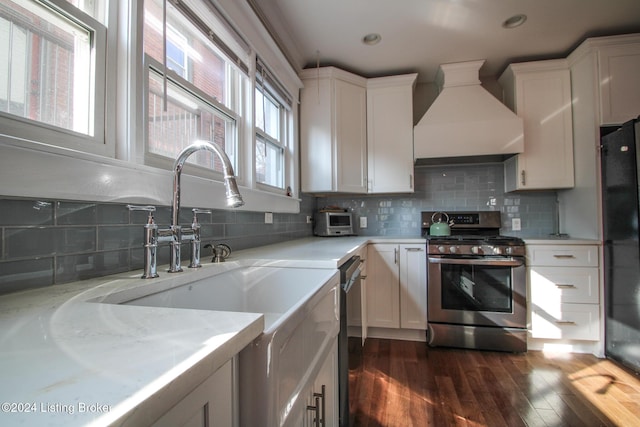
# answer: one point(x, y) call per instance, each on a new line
point(564, 284)
point(562, 255)
point(566, 321)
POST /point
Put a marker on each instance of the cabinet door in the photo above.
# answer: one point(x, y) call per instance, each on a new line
point(413, 287)
point(390, 134)
point(316, 135)
point(383, 283)
point(619, 67)
point(543, 100)
point(566, 321)
point(211, 403)
point(351, 134)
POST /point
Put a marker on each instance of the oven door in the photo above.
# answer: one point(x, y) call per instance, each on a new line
point(468, 290)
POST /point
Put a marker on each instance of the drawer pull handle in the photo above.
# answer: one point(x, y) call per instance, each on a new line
point(565, 286)
point(564, 256)
point(565, 322)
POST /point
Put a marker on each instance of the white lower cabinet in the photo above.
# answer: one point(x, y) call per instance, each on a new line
point(397, 286)
point(319, 405)
point(211, 403)
point(564, 285)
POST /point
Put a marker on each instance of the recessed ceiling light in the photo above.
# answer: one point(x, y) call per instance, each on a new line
point(514, 21)
point(371, 39)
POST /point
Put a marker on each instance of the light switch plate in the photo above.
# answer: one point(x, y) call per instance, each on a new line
point(363, 222)
point(268, 217)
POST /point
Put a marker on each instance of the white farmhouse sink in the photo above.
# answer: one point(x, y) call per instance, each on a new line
point(301, 316)
point(272, 291)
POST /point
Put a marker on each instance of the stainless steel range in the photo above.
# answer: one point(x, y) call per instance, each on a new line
point(476, 285)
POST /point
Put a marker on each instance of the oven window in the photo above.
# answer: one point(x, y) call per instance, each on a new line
point(477, 288)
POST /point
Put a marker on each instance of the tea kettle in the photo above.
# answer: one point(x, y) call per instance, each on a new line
point(440, 228)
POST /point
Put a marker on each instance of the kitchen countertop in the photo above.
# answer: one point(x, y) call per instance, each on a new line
point(318, 252)
point(68, 361)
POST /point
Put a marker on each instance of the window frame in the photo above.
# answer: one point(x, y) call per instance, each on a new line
point(49, 137)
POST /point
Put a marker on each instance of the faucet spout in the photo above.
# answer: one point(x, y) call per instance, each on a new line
point(175, 234)
point(234, 199)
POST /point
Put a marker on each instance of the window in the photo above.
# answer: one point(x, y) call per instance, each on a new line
point(272, 107)
point(203, 86)
point(52, 71)
point(269, 148)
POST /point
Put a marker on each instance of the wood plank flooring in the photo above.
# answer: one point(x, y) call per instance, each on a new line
point(402, 383)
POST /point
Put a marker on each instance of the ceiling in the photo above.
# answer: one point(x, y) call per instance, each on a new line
point(419, 35)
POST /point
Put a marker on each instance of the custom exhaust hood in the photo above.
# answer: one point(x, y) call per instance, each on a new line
point(466, 123)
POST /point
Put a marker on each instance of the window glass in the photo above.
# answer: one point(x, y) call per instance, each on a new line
point(267, 114)
point(46, 66)
point(269, 163)
point(270, 144)
point(203, 89)
point(97, 9)
point(187, 48)
point(186, 119)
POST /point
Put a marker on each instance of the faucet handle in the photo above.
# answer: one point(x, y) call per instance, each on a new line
point(197, 211)
point(146, 208)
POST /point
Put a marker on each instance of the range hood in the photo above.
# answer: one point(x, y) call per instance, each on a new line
point(466, 122)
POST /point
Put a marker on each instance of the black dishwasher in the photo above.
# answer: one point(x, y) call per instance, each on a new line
point(349, 279)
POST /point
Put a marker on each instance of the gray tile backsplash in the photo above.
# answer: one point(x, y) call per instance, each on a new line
point(452, 188)
point(45, 242)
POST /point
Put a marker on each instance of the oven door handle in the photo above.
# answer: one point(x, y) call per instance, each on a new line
point(499, 262)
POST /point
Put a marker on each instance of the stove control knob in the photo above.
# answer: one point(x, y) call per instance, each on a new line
point(497, 250)
point(453, 249)
point(476, 250)
point(441, 249)
point(508, 250)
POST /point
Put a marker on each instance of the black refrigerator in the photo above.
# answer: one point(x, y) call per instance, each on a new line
point(621, 217)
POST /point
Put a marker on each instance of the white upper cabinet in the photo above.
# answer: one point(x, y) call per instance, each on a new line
point(390, 133)
point(619, 68)
point(540, 93)
point(356, 134)
point(333, 131)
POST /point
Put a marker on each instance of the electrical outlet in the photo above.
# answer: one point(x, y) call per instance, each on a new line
point(309, 220)
point(363, 222)
point(268, 217)
point(515, 224)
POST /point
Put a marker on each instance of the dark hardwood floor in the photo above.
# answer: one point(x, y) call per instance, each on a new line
point(402, 383)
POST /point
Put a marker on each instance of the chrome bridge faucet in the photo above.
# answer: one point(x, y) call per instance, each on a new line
point(175, 234)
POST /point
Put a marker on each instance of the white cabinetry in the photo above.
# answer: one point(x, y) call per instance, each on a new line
point(564, 290)
point(397, 286)
point(390, 133)
point(540, 93)
point(356, 134)
point(333, 133)
point(618, 67)
point(211, 403)
point(322, 396)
